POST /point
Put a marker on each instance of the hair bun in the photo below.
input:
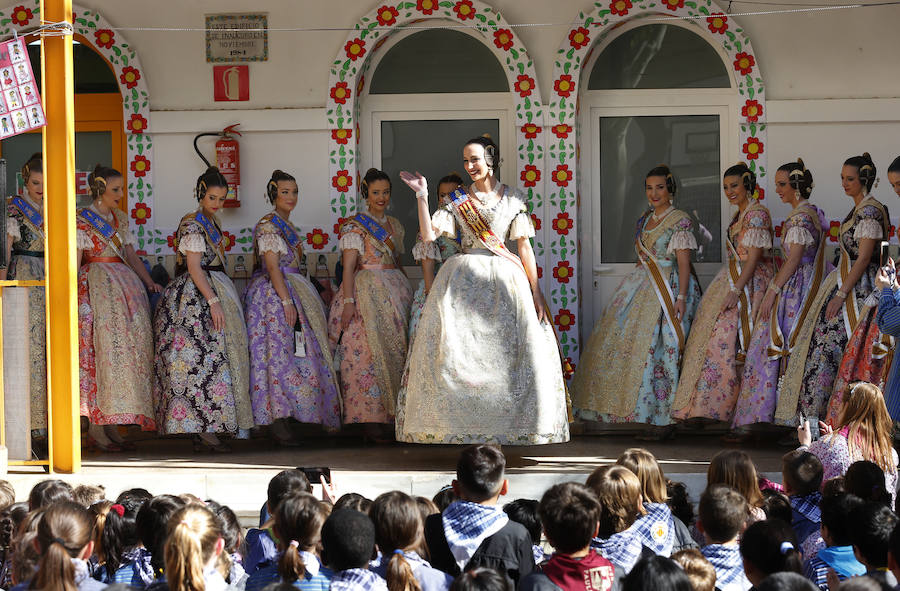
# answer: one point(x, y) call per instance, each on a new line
point(800, 162)
point(741, 163)
point(277, 172)
point(866, 156)
point(371, 170)
point(486, 135)
point(211, 169)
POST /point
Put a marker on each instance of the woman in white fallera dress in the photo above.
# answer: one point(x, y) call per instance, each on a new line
point(483, 366)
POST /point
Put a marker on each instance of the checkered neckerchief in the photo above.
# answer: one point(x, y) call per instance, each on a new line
point(623, 549)
point(729, 565)
point(656, 529)
point(808, 506)
point(467, 524)
point(357, 579)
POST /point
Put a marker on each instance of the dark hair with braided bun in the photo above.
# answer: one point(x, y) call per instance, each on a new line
point(895, 165)
point(372, 175)
point(491, 151)
point(211, 178)
point(272, 186)
point(799, 177)
point(665, 172)
point(100, 178)
point(748, 177)
point(865, 168)
point(33, 164)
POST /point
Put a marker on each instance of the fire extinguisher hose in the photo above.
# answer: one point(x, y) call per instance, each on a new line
point(197, 149)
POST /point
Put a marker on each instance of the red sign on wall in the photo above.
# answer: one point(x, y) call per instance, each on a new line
point(231, 83)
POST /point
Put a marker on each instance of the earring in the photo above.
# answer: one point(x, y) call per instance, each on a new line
point(797, 195)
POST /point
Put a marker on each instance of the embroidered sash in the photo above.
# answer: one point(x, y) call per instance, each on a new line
point(107, 231)
point(375, 230)
point(34, 218)
point(779, 346)
point(660, 284)
point(288, 232)
point(469, 214)
point(213, 235)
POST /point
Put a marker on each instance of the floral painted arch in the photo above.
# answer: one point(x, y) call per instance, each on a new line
point(348, 82)
point(702, 17)
point(22, 17)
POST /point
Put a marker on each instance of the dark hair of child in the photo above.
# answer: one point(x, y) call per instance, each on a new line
point(354, 501)
point(833, 486)
point(525, 512)
point(398, 529)
point(119, 534)
point(723, 512)
point(139, 495)
point(451, 178)
point(88, 494)
point(770, 546)
point(656, 573)
point(348, 540)
point(63, 532)
point(865, 583)
point(836, 511)
point(680, 502)
point(444, 497)
point(866, 480)
point(233, 533)
point(802, 472)
point(570, 513)
point(48, 492)
point(151, 522)
point(298, 521)
point(479, 472)
point(11, 519)
point(283, 483)
point(871, 525)
point(700, 571)
point(481, 579)
point(777, 506)
point(788, 581)
point(619, 493)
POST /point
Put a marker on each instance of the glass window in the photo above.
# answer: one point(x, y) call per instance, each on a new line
point(433, 148)
point(658, 56)
point(92, 74)
point(438, 60)
point(632, 146)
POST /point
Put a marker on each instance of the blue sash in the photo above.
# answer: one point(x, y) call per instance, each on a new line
point(30, 213)
point(104, 228)
point(212, 233)
point(376, 230)
point(287, 230)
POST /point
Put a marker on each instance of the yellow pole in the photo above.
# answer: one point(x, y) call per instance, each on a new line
point(59, 228)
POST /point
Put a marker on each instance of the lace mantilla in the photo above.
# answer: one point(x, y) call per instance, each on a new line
point(798, 235)
point(83, 241)
point(12, 229)
point(757, 238)
point(444, 223)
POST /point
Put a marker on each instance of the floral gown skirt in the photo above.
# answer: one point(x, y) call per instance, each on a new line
point(281, 383)
point(482, 368)
point(28, 268)
point(201, 374)
point(115, 346)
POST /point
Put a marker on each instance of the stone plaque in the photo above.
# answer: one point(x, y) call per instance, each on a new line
point(237, 37)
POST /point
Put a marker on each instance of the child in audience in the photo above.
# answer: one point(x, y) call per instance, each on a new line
point(481, 579)
point(777, 505)
point(297, 525)
point(802, 474)
point(656, 573)
point(152, 523)
point(619, 493)
point(570, 516)
point(47, 492)
point(474, 531)
point(865, 479)
point(261, 549)
point(125, 559)
point(398, 535)
point(656, 527)
point(87, 494)
point(793, 582)
point(354, 501)
point(231, 562)
point(683, 512)
point(723, 513)
point(348, 543)
point(525, 511)
point(768, 547)
point(871, 525)
point(699, 570)
point(735, 468)
point(838, 553)
point(192, 547)
point(444, 497)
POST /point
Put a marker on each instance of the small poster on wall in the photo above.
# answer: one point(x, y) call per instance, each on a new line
point(237, 37)
point(20, 103)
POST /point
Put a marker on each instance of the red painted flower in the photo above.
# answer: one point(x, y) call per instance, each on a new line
point(717, 23)
point(341, 136)
point(170, 239)
point(562, 272)
point(536, 221)
point(743, 63)
point(620, 7)
point(355, 49)
point(564, 86)
point(568, 369)
point(579, 37)
point(137, 123)
point(834, 231)
point(140, 166)
point(140, 213)
point(103, 37)
point(130, 77)
point(141, 252)
point(340, 93)
point(753, 148)
point(21, 16)
point(752, 110)
point(562, 175)
point(530, 130)
point(562, 223)
point(564, 320)
point(317, 239)
point(503, 39)
point(561, 131)
point(464, 9)
point(337, 225)
point(426, 6)
point(778, 230)
point(228, 240)
point(540, 271)
point(760, 193)
point(530, 176)
point(524, 85)
point(673, 4)
point(342, 181)
point(387, 15)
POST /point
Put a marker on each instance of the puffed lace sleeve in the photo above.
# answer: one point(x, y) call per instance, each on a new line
point(426, 250)
point(683, 236)
point(869, 224)
point(82, 240)
point(351, 239)
point(12, 228)
point(522, 226)
point(268, 239)
point(797, 233)
point(191, 239)
point(443, 222)
point(758, 233)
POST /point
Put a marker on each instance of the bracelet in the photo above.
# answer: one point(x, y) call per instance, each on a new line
point(349, 301)
point(735, 291)
point(680, 297)
point(774, 287)
point(840, 294)
point(212, 301)
point(287, 302)
point(423, 194)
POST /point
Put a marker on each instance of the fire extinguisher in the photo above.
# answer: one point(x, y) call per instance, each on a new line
point(228, 160)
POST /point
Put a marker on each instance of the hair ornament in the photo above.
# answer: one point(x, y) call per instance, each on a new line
point(400, 552)
point(59, 541)
point(119, 509)
point(294, 544)
point(786, 547)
